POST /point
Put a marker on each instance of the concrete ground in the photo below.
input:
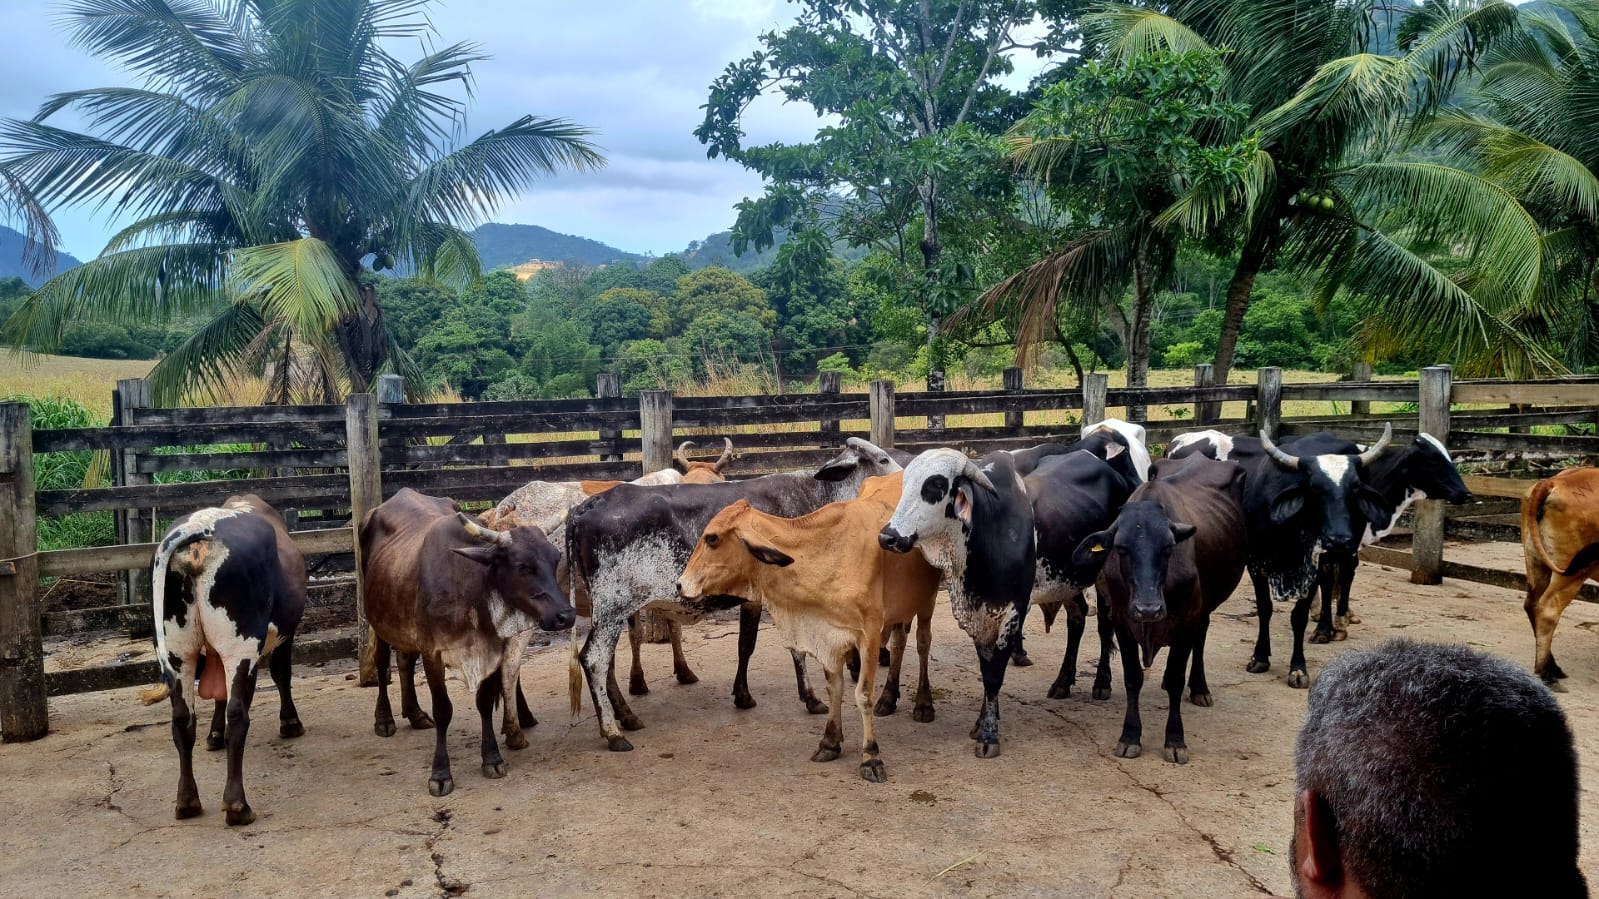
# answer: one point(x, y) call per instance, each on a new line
point(716, 801)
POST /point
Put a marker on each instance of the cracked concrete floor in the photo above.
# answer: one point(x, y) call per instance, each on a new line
point(716, 801)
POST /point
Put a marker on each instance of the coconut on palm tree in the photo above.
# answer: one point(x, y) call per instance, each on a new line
point(272, 153)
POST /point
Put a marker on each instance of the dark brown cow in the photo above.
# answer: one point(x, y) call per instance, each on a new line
point(1560, 539)
point(441, 587)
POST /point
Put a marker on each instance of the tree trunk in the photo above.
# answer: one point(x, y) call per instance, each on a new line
point(932, 252)
point(361, 340)
point(1138, 336)
point(1250, 261)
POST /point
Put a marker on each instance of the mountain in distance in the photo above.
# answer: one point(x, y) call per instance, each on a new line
point(504, 246)
point(12, 243)
point(717, 249)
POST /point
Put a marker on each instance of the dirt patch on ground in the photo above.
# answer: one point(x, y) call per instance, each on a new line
point(716, 801)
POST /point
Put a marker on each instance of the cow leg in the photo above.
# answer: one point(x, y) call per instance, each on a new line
point(524, 715)
point(597, 655)
point(1018, 653)
point(1107, 636)
point(1545, 612)
point(510, 673)
point(1262, 658)
point(1176, 748)
point(1342, 620)
point(409, 707)
point(217, 737)
point(993, 667)
point(1131, 743)
point(749, 625)
point(685, 674)
point(888, 700)
point(635, 638)
point(383, 717)
point(185, 723)
point(1076, 624)
point(807, 696)
point(440, 783)
point(923, 709)
point(852, 661)
point(832, 744)
point(1198, 689)
point(238, 810)
point(1298, 673)
point(282, 666)
point(871, 759)
point(488, 693)
point(1326, 579)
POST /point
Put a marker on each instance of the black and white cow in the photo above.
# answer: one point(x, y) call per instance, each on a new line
point(1118, 442)
point(1299, 506)
point(229, 588)
point(627, 546)
point(975, 523)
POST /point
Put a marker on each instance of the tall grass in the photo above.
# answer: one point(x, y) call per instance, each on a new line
point(66, 471)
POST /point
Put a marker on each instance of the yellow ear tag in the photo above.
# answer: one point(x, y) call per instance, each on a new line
point(1098, 548)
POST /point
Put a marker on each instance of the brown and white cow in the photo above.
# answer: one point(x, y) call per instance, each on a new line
point(229, 588)
point(830, 589)
point(1560, 539)
point(441, 587)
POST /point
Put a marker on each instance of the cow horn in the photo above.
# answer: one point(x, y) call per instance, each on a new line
point(974, 474)
point(682, 453)
point(727, 453)
point(481, 533)
point(1370, 455)
point(1281, 458)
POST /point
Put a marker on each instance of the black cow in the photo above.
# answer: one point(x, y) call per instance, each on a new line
point(1174, 554)
point(1422, 470)
point(229, 587)
point(975, 523)
point(1298, 506)
point(626, 547)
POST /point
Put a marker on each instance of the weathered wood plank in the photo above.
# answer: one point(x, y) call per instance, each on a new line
point(544, 423)
point(814, 411)
point(1494, 577)
point(234, 415)
point(129, 437)
point(136, 674)
point(507, 478)
point(325, 488)
point(291, 458)
point(1542, 393)
point(500, 453)
point(1511, 488)
point(1353, 391)
point(97, 559)
point(24, 714)
point(1581, 446)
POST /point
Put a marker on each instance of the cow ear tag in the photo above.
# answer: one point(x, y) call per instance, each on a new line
point(1097, 547)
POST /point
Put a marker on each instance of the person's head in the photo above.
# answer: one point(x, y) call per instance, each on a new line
point(1430, 770)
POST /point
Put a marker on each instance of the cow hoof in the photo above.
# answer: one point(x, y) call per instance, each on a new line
point(1101, 693)
point(1020, 660)
point(885, 707)
point(825, 754)
point(421, 721)
point(1258, 666)
point(1177, 755)
point(1321, 637)
point(638, 688)
point(1353, 618)
point(1060, 691)
point(973, 733)
point(215, 741)
point(1556, 671)
point(873, 771)
point(188, 808)
point(240, 815)
point(1340, 636)
point(526, 720)
point(1201, 699)
point(813, 705)
point(618, 744)
point(746, 701)
point(441, 786)
point(1126, 750)
point(987, 750)
point(383, 728)
point(494, 770)
point(1299, 680)
point(687, 677)
point(1555, 686)
point(923, 713)
point(516, 740)
point(630, 722)
point(288, 730)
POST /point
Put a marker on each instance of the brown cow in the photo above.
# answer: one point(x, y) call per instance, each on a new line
point(441, 587)
point(1560, 539)
point(830, 588)
point(692, 472)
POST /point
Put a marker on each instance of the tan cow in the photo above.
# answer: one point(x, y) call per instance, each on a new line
point(830, 588)
point(1560, 539)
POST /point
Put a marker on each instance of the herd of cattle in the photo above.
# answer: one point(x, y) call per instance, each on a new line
point(845, 559)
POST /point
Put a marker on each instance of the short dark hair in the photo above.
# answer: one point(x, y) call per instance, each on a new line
point(1446, 772)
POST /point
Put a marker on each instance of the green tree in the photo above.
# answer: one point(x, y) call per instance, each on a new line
point(716, 289)
point(270, 150)
point(626, 313)
point(724, 339)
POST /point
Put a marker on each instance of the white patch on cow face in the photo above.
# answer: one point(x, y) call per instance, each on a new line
point(1336, 466)
point(922, 510)
point(1437, 445)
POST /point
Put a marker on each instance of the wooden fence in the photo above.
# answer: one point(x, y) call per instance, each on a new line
point(329, 464)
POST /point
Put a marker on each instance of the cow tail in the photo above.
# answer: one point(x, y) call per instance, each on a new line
point(158, 596)
point(1531, 505)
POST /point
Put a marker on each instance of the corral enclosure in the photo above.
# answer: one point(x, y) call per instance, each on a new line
point(327, 463)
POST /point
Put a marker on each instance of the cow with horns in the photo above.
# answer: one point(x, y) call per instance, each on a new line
point(1301, 504)
point(229, 588)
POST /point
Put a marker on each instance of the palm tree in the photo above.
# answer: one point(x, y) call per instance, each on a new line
point(274, 153)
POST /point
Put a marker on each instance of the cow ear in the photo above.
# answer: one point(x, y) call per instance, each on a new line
point(1372, 504)
point(1113, 449)
point(836, 469)
point(1182, 531)
point(766, 555)
point(483, 555)
point(1091, 553)
point(962, 501)
point(1287, 504)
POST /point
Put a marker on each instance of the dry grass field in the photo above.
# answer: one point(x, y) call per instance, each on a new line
point(87, 381)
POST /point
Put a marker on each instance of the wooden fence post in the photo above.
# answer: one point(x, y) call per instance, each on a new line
point(881, 404)
point(1361, 374)
point(827, 387)
point(1205, 412)
point(655, 429)
point(606, 386)
point(133, 587)
point(935, 384)
point(24, 710)
point(366, 494)
point(1269, 400)
point(1427, 522)
point(1095, 388)
point(1014, 418)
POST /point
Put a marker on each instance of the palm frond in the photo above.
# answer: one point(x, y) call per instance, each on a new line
point(1222, 193)
point(299, 282)
point(469, 183)
point(1128, 31)
point(195, 45)
point(211, 359)
point(39, 232)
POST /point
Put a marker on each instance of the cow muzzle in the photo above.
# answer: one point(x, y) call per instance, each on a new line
point(1340, 544)
point(894, 541)
point(1148, 612)
point(557, 619)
